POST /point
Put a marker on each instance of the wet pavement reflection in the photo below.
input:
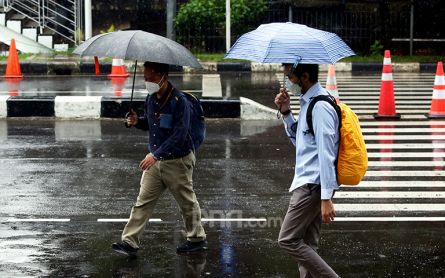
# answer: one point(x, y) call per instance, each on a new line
point(58, 177)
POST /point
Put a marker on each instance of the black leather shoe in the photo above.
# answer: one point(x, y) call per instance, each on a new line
point(188, 246)
point(124, 248)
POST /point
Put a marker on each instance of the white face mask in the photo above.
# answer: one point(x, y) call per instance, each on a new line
point(292, 87)
point(153, 87)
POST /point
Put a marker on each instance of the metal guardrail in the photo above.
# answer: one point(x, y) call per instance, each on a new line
point(63, 17)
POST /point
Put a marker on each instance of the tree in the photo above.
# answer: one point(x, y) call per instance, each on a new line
point(200, 19)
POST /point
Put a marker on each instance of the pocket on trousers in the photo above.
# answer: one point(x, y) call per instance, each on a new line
point(187, 161)
point(299, 195)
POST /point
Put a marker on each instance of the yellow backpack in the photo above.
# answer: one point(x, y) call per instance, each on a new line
point(352, 159)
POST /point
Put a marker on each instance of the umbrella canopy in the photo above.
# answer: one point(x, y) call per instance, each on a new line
point(140, 46)
point(289, 43)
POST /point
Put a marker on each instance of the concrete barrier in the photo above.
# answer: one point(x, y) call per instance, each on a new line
point(77, 106)
point(251, 110)
point(94, 107)
point(3, 106)
point(211, 85)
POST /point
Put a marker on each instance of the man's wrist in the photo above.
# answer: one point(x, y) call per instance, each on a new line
point(285, 113)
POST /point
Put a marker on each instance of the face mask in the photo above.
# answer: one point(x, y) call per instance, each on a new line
point(292, 87)
point(153, 87)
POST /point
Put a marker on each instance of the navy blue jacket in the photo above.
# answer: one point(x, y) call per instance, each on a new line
point(167, 124)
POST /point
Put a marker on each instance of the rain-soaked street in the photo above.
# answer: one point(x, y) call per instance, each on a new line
point(68, 186)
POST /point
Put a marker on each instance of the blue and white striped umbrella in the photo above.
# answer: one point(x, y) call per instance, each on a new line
point(289, 43)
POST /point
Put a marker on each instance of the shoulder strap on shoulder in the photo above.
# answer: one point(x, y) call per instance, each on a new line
point(328, 98)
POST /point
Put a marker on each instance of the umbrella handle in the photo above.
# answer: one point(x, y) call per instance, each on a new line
point(132, 92)
point(126, 124)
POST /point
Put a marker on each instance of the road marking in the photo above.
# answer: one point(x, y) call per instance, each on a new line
point(390, 207)
point(233, 219)
point(389, 219)
point(414, 146)
point(403, 124)
point(124, 220)
point(405, 184)
point(407, 155)
point(433, 163)
point(38, 220)
point(404, 137)
point(389, 194)
point(404, 173)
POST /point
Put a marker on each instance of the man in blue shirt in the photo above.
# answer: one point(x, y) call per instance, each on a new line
point(314, 180)
point(168, 165)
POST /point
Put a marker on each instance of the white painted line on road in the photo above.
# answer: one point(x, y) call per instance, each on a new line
point(403, 124)
point(389, 207)
point(389, 194)
point(405, 184)
point(398, 173)
point(408, 106)
point(389, 219)
point(402, 130)
point(233, 219)
point(404, 137)
point(405, 146)
point(38, 220)
point(433, 163)
point(124, 220)
point(203, 219)
point(407, 155)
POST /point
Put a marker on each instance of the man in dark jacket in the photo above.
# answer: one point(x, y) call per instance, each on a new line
point(168, 165)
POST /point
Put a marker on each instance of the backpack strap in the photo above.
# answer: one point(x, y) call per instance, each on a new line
point(328, 98)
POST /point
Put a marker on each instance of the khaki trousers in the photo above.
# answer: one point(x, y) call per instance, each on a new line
point(176, 176)
point(300, 232)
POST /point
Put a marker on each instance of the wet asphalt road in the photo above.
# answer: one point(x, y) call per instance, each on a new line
point(76, 172)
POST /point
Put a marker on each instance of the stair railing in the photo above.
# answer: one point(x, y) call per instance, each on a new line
point(64, 17)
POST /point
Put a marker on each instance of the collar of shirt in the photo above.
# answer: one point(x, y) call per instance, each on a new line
point(312, 92)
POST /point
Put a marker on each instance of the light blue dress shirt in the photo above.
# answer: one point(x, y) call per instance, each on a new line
point(315, 156)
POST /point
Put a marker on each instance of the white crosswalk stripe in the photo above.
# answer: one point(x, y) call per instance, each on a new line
point(406, 175)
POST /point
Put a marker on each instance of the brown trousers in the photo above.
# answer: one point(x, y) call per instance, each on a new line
point(300, 232)
point(176, 176)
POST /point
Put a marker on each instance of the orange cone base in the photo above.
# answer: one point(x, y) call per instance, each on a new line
point(387, 117)
point(119, 75)
point(13, 76)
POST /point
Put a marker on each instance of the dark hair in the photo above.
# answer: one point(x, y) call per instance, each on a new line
point(158, 67)
point(311, 69)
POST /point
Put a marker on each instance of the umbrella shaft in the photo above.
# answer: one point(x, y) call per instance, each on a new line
point(132, 87)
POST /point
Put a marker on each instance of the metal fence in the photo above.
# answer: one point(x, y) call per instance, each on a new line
point(63, 17)
point(358, 28)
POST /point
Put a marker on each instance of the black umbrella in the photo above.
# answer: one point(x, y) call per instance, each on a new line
point(138, 45)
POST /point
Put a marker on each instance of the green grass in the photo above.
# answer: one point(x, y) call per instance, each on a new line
point(215, 57)
point(22, 57)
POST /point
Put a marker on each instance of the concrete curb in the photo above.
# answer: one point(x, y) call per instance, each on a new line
point(72, 67)
point(94, 107)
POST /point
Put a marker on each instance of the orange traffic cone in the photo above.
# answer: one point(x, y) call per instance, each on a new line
point(96, 65)
point(118, 69)
point(331, 83)
point(13, 66)
point(387, 107)
point(438, 102)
